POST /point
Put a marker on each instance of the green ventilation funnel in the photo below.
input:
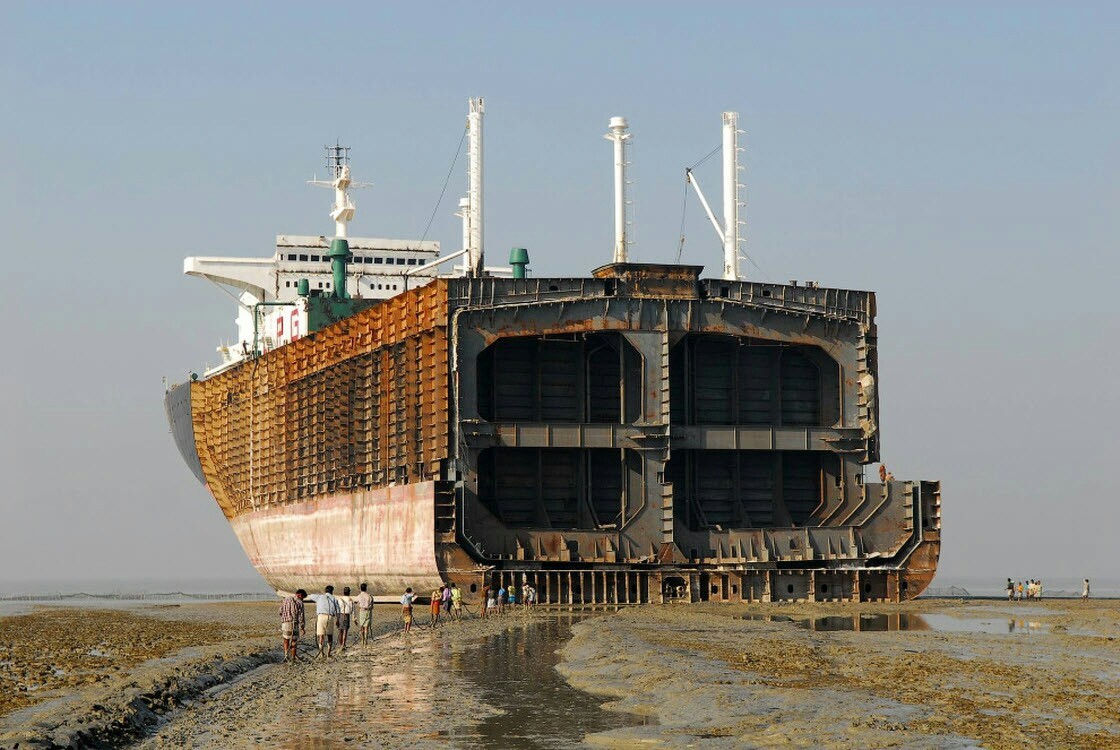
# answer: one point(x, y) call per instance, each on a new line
point(339, 254)
point(519, 259)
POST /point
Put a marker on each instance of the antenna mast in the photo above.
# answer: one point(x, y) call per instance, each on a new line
point(338, 167)
point(474, 192)
point(620, 137)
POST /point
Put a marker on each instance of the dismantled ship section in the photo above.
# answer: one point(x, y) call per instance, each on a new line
point(641, 435)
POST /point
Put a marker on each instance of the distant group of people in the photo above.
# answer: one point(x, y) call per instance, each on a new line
point(1020, 590)
point(333, 616)
point(1031, 590)
point(497, 599)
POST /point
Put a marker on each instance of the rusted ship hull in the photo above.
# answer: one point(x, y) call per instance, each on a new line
point(380, 536)
point(638, 436)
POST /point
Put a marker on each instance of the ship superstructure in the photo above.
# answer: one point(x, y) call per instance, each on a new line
point(272, 311)
point(635, 435)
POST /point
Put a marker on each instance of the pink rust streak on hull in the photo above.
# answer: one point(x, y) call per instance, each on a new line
point(383, 537)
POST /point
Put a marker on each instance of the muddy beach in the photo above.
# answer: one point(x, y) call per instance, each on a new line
point(930, 674)
point(927, 674)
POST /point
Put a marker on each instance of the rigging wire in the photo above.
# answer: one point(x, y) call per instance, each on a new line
point(684, 201)
point(446, 182)
point(684, 210)
point(709, 156)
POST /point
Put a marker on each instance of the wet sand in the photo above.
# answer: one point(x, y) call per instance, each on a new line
point(983, 674)
point(994, 675)
point(468, 684)
point(105, 675)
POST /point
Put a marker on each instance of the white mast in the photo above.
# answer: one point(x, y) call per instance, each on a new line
point(619, 136)
point(338, 167)
point(728, 230)
point(474, 196)
point(731, 196)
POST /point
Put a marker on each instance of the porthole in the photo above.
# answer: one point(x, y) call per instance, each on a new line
point(789, 589)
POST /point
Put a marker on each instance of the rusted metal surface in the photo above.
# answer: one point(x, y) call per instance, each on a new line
point(643, 435)
point(382, 537)
point(358, 405)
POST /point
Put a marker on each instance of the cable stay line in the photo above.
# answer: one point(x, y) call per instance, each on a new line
point(446, 182)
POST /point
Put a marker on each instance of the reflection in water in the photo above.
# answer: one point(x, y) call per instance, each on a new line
point(879, 623)
point(515, 671)
point(405, 697)
point(395, 697)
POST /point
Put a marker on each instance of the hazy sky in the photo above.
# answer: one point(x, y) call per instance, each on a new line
point(960, 162)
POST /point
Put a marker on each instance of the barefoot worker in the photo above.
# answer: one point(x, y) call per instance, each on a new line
point(437, 602)
point(327, 609)
point(346, 610)
point(406, 608)
point(457, 601)
point(292, 623)
point(363, 605)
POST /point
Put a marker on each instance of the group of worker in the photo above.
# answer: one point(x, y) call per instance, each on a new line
point(497, 599)
point(1029, 590)
point(334, 615)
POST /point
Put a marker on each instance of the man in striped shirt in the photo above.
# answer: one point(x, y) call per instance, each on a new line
point(292, 623)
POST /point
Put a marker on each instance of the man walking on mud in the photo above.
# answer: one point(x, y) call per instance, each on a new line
point(406, 608)
point(456, 602)
point(327, 610)
point(292, 623)
point(346, 612)
point(363, 605)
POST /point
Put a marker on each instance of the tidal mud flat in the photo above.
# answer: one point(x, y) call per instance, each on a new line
point(477, 683)
point(957, 675)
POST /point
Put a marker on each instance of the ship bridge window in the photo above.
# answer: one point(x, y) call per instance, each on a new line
point(412, 261)
point(400, 261)
point(420, 261)
point(315, 259)
point(292, 256)
point(377, 261)
point(303, 258)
